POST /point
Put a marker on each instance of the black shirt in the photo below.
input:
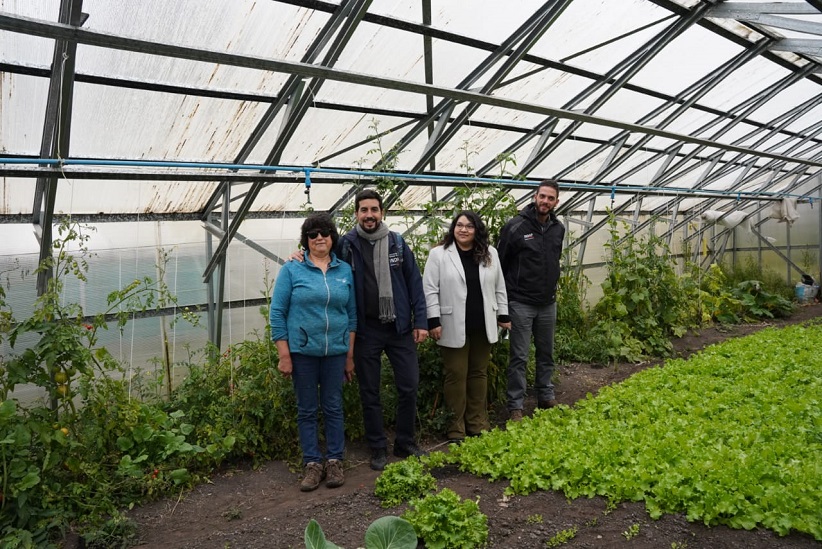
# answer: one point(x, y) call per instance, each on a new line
point(474, 315)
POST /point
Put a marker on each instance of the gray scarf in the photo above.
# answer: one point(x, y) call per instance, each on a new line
point(382, 270)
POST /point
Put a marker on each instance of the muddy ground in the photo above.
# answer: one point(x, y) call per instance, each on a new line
point(263, 508)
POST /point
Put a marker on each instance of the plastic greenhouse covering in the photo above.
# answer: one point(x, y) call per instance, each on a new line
point(205, 129)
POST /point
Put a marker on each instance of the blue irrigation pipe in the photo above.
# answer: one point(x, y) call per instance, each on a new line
point(308, 170)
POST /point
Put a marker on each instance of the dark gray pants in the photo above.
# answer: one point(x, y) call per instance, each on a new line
point(539, 321)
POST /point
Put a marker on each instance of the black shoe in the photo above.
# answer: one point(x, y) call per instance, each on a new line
point(379, 457)
point(410, 450)
point(456, 441)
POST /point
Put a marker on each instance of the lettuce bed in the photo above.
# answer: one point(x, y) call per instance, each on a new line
point(731, 436)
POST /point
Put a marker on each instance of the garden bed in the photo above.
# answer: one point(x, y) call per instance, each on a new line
point(264, 508)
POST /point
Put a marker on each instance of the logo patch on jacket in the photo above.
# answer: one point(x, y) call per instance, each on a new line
point(529, 236)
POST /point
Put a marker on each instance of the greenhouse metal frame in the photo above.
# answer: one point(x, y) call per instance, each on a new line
point(220, 113)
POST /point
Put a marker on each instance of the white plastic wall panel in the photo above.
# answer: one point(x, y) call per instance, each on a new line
point(548, 87)
point(127, 123)
point(678, 65)
point(589, 23)
point(281, 197)
point(16, 196)
point(565, 156)
point(264, 29)
point(84, 196)
point(22, 112)
point(404, 10)
point(143, 67)
point(486, 20)
point(745, 82)
point(796, 95)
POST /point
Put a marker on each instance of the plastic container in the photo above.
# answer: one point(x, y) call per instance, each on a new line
point(805, 293)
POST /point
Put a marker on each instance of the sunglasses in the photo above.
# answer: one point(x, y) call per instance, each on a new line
point(325, 233)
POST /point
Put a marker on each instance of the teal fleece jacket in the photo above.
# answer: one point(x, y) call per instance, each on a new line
point(314, 311)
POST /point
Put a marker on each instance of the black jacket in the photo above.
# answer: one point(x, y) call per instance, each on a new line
point(529, 253)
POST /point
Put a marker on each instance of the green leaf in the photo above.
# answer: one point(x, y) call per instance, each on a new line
point(315, 539)
point(390, 533)
point(124, 443)
point(8, 409)
point(29, 481)
point(180, 476)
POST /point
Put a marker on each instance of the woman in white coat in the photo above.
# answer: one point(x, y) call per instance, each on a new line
point(466, 303)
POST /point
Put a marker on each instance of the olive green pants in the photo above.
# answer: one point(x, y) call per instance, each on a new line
point(466, 385)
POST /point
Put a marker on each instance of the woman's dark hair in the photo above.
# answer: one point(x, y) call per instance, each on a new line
point(481, 254)
point(319, 221)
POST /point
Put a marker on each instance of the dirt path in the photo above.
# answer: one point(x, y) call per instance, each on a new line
point(264, 508)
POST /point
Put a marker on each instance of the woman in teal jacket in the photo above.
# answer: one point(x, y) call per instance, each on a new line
point(313, 321)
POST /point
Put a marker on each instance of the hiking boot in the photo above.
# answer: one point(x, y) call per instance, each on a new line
point(334, 473)
point(550, 403)
point(379, 457)
point(313, 475)
point(515, 415)
point(410, 450)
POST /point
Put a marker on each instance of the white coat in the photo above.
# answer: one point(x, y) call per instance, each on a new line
point(446, 292)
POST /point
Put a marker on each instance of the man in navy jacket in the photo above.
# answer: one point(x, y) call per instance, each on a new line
point(529, 249)
point(391, 318)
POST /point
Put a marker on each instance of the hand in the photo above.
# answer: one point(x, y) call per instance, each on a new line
point(435, 333)
point(420, 335)
point(504, 325)
point(349, 368)
point(299, 255)
point(285, 366)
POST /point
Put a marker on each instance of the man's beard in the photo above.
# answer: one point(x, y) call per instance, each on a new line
point(374, 229)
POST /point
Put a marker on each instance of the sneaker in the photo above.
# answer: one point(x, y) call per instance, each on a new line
point(334, 471)
point(515, 415)
point(379, 457)
point(550, 403)
point(410, 450)
point(312, 476)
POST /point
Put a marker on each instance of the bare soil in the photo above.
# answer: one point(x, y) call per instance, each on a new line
point(263, 508)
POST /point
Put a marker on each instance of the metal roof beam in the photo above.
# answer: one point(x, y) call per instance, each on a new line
point(350, 15)
point(526, 39)
point(786, 23)
point(740, 10)
point(798, 45)
point(56, 30)
point(515, 47)
point(293, 85)
point(623, 72)
point(56, 134)
point(711, 201)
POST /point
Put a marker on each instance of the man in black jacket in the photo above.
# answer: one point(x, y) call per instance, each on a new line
point(529, 249)
point(391, 319)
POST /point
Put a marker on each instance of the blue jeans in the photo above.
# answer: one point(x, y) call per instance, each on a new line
point(327, 372)
point(539, 321)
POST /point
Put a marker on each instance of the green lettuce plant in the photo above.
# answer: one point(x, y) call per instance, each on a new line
point(730, 436)
point(445, 521)
point(403, 481)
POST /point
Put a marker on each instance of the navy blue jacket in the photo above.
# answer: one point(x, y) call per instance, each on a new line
point(406, 281)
